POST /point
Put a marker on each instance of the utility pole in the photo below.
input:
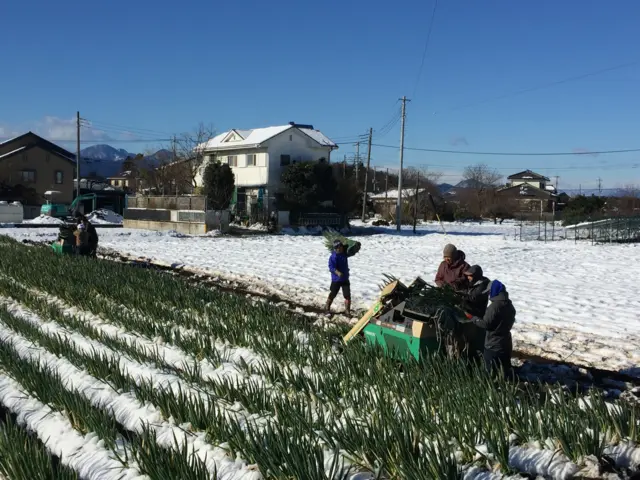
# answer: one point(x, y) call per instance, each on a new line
point(375, 180)
point(344, 167)
point(77, 154)
point(357, 160)
point(174, 160)
point(399, 202)
point(415, 203)
point(599, 187)
point(557, 178)
point(366, 176)
point(580, 190)
point(386, 192)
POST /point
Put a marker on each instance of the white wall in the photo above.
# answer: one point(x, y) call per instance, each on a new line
point(299, 146)
point(268, 170)
point(535, 183)
point(245, 176)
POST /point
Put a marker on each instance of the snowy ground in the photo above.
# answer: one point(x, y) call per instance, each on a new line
point(575, 302)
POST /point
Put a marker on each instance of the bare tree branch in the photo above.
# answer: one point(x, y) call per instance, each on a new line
point(481, 176)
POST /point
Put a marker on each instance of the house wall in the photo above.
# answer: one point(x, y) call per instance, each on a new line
point(300, 147)
point(245, 175)
point(535, 183)
point(268, 169)
point(45, 164)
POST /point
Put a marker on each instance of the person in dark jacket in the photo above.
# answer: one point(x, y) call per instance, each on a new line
point(339, 268)
point(476, 298)
point(92, 241)
point(451, 270)
point(497, 321)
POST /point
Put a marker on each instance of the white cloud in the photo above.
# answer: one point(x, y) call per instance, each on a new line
point(58, 129)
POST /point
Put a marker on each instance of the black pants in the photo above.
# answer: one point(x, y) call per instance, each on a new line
point(335, 288)
point(497, 361)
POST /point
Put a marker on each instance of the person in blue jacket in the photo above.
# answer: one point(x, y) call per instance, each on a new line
point(339, 268)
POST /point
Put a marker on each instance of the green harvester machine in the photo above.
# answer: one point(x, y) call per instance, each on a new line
point(402, 332)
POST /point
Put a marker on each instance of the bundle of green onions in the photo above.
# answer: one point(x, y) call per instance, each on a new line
point(331, 236)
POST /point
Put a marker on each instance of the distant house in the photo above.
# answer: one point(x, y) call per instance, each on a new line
point(531, 190)
point(127, 181)
point(35, 163)
point(259, 156)
point(385, 203)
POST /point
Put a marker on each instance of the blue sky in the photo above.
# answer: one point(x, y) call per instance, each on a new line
point(165, 66)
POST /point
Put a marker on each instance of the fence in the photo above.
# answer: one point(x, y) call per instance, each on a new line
point(619, 229)
point(543, 227)
point(196, 202)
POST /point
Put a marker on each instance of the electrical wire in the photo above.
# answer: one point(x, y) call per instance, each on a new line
point(426, 46)
point(514, 154)
point(542, 86)
point(105, 125)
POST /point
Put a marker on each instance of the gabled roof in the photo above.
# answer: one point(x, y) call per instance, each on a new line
point(43, 143)
point(26, 148)
point(528, 175)
point(257, 136)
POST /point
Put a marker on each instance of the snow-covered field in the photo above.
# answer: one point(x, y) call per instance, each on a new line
point(575, 302)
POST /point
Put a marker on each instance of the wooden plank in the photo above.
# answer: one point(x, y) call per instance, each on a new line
point(357, 328)
point(375, 308)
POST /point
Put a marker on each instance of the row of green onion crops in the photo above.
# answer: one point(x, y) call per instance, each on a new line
point(170, 380)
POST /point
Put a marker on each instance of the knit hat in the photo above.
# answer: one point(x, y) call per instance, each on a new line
point(336, 244)
point(494, 288)
point(449, 250)
point(474, 271)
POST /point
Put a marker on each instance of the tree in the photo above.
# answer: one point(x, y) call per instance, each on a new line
point(481, 176)
point(189, 149)
point(218, 185)
point(307, 184)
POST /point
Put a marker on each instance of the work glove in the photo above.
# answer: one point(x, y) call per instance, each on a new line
point(468, 315)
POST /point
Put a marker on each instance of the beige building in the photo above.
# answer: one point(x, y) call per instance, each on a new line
point(35, 163)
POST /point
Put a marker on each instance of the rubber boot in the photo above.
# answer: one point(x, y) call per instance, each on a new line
point(327, 306)
point(347, 308)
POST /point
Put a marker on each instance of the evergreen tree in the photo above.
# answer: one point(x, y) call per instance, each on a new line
point(219, 183)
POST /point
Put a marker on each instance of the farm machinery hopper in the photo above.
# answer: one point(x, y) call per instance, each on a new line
point(417, 320)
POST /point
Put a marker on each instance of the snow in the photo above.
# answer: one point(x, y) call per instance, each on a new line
point(12, 152)
point(575, 302)
point(45, 219)
point(105, 216)
point(257, 136)
point(391, 194)
point(84, 454)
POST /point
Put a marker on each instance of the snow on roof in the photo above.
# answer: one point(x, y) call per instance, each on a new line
point(12, 152)
point(257, 136)
point(551, 188)
point(406, 192)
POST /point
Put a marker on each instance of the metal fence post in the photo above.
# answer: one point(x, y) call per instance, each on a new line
point(545, 231)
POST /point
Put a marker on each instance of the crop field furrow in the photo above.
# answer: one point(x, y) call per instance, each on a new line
point(214, 380)
point(129, 412)
point(155, 395)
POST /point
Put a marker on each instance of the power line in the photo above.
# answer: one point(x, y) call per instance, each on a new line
point(515, 154)
point(123, 128)
point(426, 46)
point(543, 86)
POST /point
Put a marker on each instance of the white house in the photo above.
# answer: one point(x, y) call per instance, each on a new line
point(258, 157)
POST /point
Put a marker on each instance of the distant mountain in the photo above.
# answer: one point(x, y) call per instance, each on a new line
point(106, 161)
point(445, 187)
point(102, 160)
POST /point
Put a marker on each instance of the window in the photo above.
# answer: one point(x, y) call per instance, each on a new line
point(285, 160)
point(28, 176)
point(232, 160)
point(251, 160)
point(58, 177)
